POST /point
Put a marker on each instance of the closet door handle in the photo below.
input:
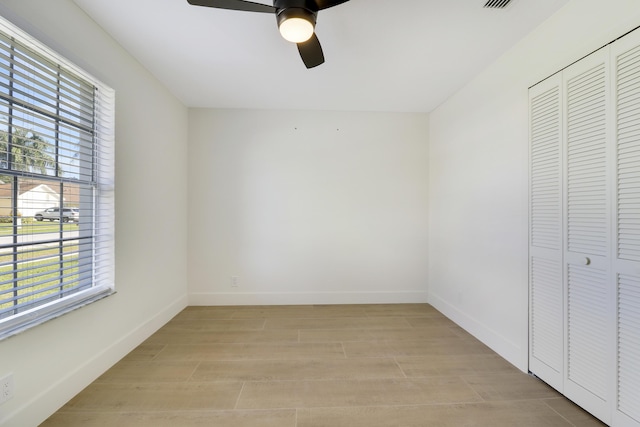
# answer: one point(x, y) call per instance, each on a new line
point(587, 260)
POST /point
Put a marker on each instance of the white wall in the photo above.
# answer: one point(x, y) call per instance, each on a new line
point(478, 176)
point(54, 361)
point(307, 207)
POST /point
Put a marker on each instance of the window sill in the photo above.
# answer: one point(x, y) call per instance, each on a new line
point(29, 319)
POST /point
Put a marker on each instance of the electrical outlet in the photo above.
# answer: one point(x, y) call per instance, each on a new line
point(234, 281)
point(6, 388)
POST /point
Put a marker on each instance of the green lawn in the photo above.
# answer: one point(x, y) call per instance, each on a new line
point(40, 271)
point(41, 264)
point(26, 255)
point(38, 227)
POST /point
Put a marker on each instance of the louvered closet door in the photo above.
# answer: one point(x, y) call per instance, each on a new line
point(546, 302)
point(589, 292)
point(626, 62)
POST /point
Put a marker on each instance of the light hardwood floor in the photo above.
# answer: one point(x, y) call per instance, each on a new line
point(402, 365)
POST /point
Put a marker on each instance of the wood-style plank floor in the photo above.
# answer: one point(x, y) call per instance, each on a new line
point(402, 365)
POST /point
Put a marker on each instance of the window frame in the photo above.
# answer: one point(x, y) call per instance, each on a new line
point(101, 227)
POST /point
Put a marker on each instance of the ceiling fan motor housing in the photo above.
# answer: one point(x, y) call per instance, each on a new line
point(309, 5)
point(296, 12)
point(304, 9)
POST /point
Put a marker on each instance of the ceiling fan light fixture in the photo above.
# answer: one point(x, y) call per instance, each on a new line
point(296, 24)
point(296, 30)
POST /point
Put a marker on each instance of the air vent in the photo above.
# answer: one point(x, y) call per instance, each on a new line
point(497, 4)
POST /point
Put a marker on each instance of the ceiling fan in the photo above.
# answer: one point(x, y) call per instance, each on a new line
point(296, 21)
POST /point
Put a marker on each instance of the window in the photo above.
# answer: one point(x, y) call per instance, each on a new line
point(56, 184)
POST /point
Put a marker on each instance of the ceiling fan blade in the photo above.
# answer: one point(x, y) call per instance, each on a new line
point(311, 52)
point(325, 4)
point(247, 6)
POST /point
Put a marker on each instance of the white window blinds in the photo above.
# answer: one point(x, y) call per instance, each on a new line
point(56, 184)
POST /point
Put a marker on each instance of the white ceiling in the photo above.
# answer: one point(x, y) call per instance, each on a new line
point(381, 55)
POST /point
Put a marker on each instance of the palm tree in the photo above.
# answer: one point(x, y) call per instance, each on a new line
point(28, 152)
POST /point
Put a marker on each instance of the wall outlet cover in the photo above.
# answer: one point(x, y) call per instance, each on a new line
point(6, 388)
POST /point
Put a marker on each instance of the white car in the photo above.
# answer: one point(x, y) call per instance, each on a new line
point(53, 214)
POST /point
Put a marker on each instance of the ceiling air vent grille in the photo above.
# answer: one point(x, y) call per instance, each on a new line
point(497, 4)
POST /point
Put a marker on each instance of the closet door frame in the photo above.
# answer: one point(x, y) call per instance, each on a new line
point(599, 185)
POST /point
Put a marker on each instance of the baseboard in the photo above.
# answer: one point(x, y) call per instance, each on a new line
point(41, 406)
point(305, 298)
point(509, 350)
